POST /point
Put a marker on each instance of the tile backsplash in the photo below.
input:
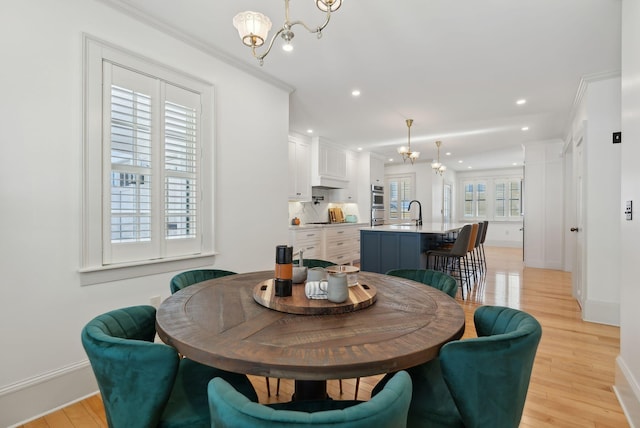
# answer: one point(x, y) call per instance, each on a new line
point(311, 212)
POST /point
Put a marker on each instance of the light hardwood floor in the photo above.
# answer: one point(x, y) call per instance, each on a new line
point(573, 374)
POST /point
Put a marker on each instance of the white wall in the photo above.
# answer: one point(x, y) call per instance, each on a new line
point(43, 306)
point(543, 205)
point(628, 363)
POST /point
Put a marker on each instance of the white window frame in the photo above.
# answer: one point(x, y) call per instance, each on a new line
point(96, 208)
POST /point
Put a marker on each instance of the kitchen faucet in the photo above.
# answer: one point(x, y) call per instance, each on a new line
point(419, 219)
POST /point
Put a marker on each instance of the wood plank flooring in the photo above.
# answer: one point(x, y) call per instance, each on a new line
point(573, 374)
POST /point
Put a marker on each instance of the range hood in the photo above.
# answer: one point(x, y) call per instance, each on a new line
point(328, 183)
point(324, 188)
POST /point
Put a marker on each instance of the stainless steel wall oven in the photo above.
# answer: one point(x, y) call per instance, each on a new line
point(377, 205)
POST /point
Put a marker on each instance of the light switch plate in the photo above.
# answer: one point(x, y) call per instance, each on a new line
point(628, 209)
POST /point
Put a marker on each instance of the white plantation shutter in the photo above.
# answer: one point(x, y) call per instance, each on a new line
point(475, 199)
point(507, 199)
point(181, 168)
point(151, 135)
point(130, 165)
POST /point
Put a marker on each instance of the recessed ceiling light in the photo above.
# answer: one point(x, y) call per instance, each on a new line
point(355, 92)
point(309, 131)
point(515, 163)
point(390, 159)
point(460, 161)
point(469, 167)
point(359, 149)
point(448, 153)
point(521, 101)
point(525, 128)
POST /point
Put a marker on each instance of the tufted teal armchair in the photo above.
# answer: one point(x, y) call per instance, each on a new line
point(312, 263)
point(388, 409)
point(480, 382)
point(441, 281)
point(146, 384)
point(190, 277)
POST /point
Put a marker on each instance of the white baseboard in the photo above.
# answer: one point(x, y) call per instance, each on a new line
point(628, 392)
point(30, 399)
point(601, 312)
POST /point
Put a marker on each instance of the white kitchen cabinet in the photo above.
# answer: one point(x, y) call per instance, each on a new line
point(309, 240)
point(328, 164)
point(342, 243)
point(349, 193)
point(377, 171)
point(299, 170)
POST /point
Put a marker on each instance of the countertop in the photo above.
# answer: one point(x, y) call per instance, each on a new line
point(316, 226)
point(425, 228)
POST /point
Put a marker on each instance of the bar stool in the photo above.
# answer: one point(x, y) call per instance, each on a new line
point(450, 260)
point(472, 244)
point(484, 237)
point(476, 260)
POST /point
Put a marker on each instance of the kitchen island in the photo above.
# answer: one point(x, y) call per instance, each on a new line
point(400, 246)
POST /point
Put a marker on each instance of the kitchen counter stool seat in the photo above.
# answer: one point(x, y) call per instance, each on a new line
point(451, 260)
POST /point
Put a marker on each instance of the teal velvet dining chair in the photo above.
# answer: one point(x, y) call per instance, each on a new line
point(146, 384)
point(436, 279)
point(313, 263)
point(190, 277)
point(388, 409)
point(479, 382)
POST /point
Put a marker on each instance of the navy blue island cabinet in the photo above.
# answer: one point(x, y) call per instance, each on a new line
point(387, 247)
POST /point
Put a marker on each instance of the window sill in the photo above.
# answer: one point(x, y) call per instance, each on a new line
point(102, 274)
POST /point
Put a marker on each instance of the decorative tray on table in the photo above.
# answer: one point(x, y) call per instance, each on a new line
point(360, 297)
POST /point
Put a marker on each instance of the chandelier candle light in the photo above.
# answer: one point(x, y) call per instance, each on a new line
point(406, 151)
point(438, 168)
point(254, 27)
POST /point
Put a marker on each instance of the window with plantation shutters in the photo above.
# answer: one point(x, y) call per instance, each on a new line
point(475, 199)
point(507, 198)
point(400, 190)
point(146, 151)
point(491, 197)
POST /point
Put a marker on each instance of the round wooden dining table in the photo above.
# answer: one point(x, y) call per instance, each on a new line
point(219, 323)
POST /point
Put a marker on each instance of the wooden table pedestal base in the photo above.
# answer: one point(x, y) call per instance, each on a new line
point(310, 390)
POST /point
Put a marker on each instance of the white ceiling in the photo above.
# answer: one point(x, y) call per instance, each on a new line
point(456, 67)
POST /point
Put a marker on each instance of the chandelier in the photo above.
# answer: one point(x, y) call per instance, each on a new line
point(438, 168)
point(254, 27)
point(406, 151)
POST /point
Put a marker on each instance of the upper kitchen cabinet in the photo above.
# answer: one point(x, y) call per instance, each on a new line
point(299, 170)
point(349, 193)
point(328, 165)
point(376, 171)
